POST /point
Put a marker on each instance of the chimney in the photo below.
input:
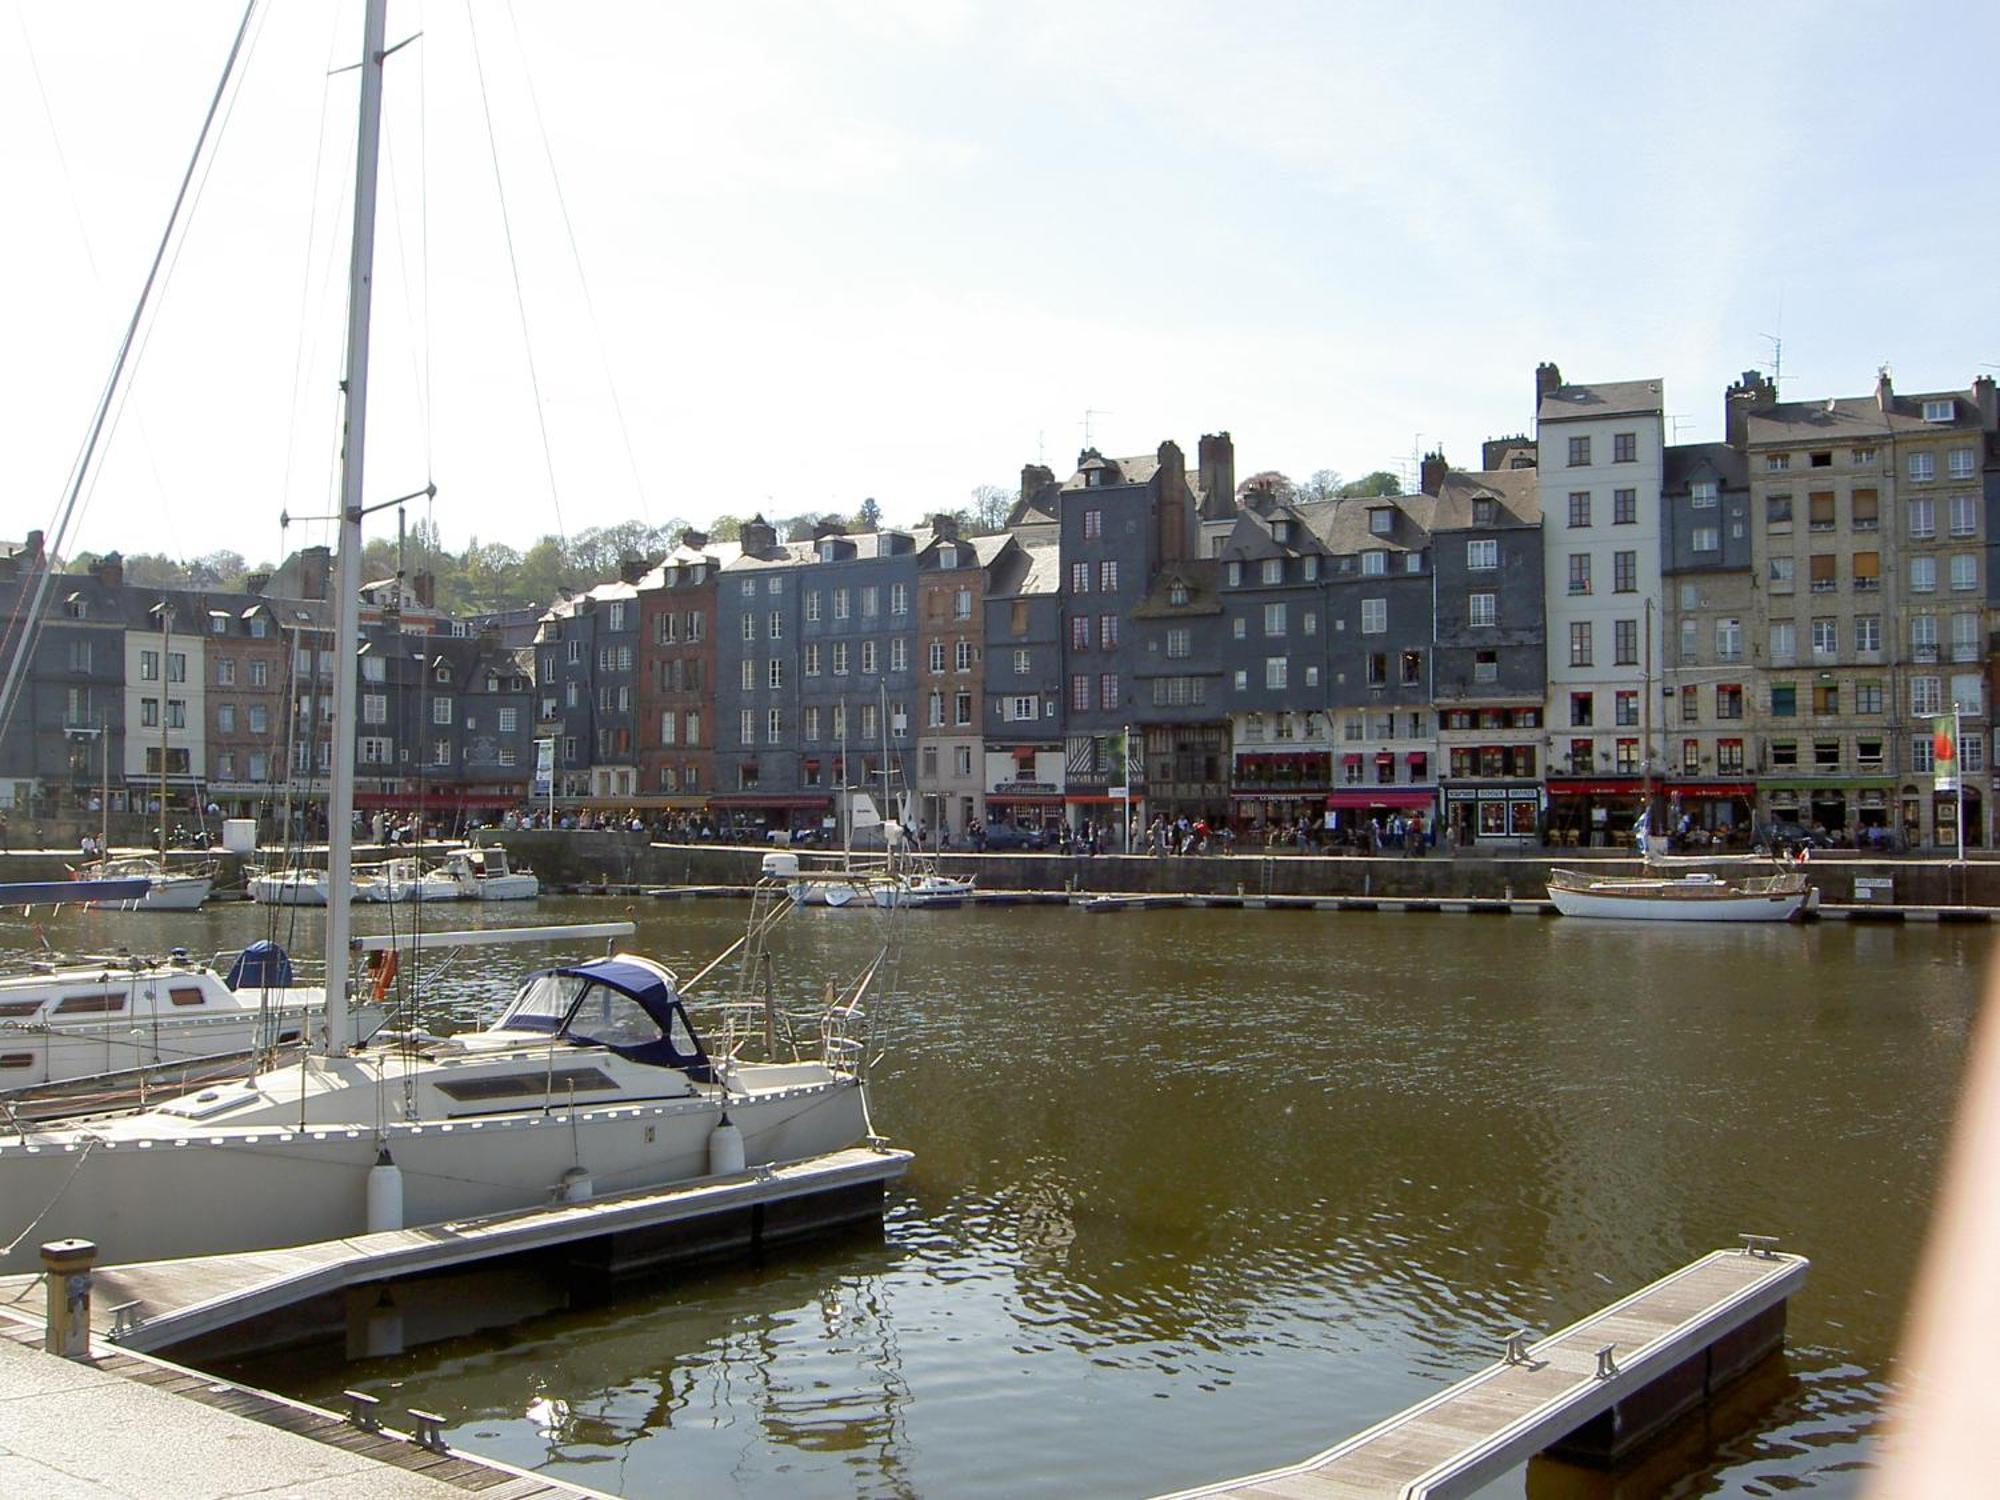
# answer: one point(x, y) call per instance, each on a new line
point(1172, 503)
point(1215, 459)
point(315, 571)
point(1513, 452)
point(1988, 399)
point(1547, 380)
point(1431, 481)
point(631, 568)
point(1885, 393)
point(1752, 394)
point(758, 536)
point(256, 583)
point(32, 547)
point(694, 541)
point(110, 569)
point(824, 529)
point(944, 526)
point(424, 586)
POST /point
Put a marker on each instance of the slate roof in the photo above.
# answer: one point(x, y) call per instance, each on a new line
point(1202, 577)
point(1683, 462)
point(1845, 417)
point(1616, 398)
point(1517, 492)
point(1342, 525)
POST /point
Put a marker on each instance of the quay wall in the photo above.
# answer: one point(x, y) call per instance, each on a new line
point(610, 858)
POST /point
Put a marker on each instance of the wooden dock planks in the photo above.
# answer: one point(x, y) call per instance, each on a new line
point(1453, 1443)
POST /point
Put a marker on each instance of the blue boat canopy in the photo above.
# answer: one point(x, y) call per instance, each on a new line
point(66, 892)
point(615, 1003)
point(261, 966)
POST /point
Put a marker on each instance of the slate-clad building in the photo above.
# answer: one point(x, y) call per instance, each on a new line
point(1023, 740)
point(677, 612)
point(950, 669)
point(759, 768)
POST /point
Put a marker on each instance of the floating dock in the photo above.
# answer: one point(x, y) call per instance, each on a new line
point(1593, 1391)
point(272, 1298)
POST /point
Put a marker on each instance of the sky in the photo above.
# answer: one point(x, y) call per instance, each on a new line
point(667, 261)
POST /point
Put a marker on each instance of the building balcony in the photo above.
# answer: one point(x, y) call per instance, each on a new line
point(1924, 654)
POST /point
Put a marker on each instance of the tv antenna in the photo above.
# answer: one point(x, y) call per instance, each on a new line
point(1088, 413)
point(1677, 420)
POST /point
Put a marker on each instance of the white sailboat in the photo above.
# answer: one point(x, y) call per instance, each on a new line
point(593, 1079)
point(1662, 895)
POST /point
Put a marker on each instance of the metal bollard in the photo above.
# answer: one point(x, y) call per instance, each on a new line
point(66, 1272)
point(430, 1430)
point(1517, 1347)
point(361, 1410)
point(1760, 1246)
point(1606, 1367)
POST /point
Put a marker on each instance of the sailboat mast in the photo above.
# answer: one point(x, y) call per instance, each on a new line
point(347, 600)
point(166, 647)
point(1646, 716)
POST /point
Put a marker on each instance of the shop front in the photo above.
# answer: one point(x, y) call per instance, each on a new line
point(1355, 814)
point(1850, 812)
point(1508, 812)
point(1593, 812)
point(1279, 790)
point(1941, 827)
point(1719, 814)
point(756, 815)
point(1025, 804)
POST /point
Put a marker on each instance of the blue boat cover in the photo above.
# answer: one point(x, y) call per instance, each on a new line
point(61, 892)
point(677, 1045)
point(261, 966)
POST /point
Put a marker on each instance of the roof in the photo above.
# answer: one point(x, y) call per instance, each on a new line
point(1204, 596)
point(1615, 398)
point(1846, 417)
point(1035, 568)
point(1516, 491)
point(1343, 524)
point(1685, 462)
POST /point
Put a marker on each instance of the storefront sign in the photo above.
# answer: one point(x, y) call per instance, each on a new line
point(1877, 888)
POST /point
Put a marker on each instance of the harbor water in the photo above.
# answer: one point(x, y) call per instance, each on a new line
point(1197, 1193)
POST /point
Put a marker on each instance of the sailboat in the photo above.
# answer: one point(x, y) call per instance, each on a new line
point(593, 1079)
point(1662, 895)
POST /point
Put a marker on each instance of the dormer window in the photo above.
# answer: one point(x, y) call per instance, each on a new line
point(442, 672)
point(1281, 531)
point(1483, 512)
point(1177, 593)
point(947, 557)
point(826, 551)
point(1310, 564)
point(1704, 492)
point(1093, 479)
point(76, 607)
point(1235, 568)
point(1381, 521)
point(1374, 564)
point(1274, 570)
point(1939, 411)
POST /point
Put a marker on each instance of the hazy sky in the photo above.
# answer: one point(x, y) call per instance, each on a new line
point(824, 251)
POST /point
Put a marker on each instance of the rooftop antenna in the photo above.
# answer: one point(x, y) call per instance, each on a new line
point(1088, 413)
point(1678, 420)
point(1041, 448)
point(1777, 343)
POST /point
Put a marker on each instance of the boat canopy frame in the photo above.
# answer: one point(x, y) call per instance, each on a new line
point(677, 1045)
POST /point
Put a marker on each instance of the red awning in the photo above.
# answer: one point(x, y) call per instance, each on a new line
point(1386, 797)
point(1558, 787)
point(1084, 799)
point(1710, 788)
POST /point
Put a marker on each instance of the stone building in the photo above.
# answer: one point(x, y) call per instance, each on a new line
point(951, 579)
point(676, 722)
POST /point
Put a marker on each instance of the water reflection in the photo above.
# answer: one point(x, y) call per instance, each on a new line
point(1200, 1192)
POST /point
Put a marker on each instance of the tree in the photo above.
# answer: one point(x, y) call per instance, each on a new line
point(1370, 486)
point(869, 516)
point(1269, 482)
point(991, 505)
point(725, 528)
point(1324, 485)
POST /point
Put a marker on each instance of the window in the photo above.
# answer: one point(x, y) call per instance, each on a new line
point(1624, 507)
point(1784, 753)
point(1728, 700)
point(1704, 494)
point(1820, 511)
point(812, 607)
point(225, 666)
point(1825, 570)
point(749, 626)
point(1777, 463)
point(840, 604)
point(1783, 570)
point(1923, 467)
point(1784, 700)
point(1784, 641)
point(962, 651)
point(1308, 565)
point(1079, 693)
point(1865, 509)
point(1107, 575)
point(1923, 575)
point(1690, 642)
point(1275, 668)
point(177, 666)
point(1867, 572)
point(1778, 512)
point(1926, 695)
point(1486, 666)
point(1413, 562)
point(1239, 628)
point(1867, 633)
point(774, 629)
point(149, 666)
point(1020, 663)
point(1825, 638)
point(1625, 640)
point(1923, 518)
point(225, 718)
point(1177, 594)
point(1826, 698)
point(1706, 538)
point(1690, 705)
point(774, 726)
point(1579, 452)
point(259, 719)
point(1624, 572)
point(747, 726)
point(1374, 616)
point(871, 602)
point(440, 710)
point(1938, 409)
point(1374, 563)
point(1964, 515)
point(1179, 643)
point(1625, 708)
point(1624, 447)
point(1964, 571)
point(1107, 690)
point(1079, 578)
point(774, 675)
point(1079, 637)
point(748, 676)
point(1378, 671)
point(1273, 571)
point(812, 659)
point(1579, 643)
point(1579, 572)
point(1958, 463)
point(1412, 672)
point(1485, 512)
point(1579, 505)
point(1826, 755)
point(1022, 707)
point(1274, 619)
point(1582, 710)
point(1482, 555)
point(1965, 637)
point(870, 658)
point(1729, 755)
point(899, 598)
point(259, 671)
point(1480, 609)
point(840, 658)
point(1381, 521)
point(1235, 572)
point(1093, 528)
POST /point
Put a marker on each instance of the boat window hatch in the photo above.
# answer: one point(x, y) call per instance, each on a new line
point(90, 1005)
point(188, 994)
point(13, 1010)
point(545, 1082)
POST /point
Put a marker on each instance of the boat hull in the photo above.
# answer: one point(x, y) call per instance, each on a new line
point(1784, 906)
point(167, 893)
point(208, 1193)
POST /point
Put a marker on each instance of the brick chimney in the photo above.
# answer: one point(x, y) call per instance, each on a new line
point(1885, 393)
point(1038, 481)
point(1173, 505)
point(1988, 399)
point(824, 529)
point(1547, 380)
point(758, 536)
point(110, 569)
point(1752, 394)
point(944, 526)
point(1215, 460)
point(315, 571)
point(693, 540)
point(631, 568)
point(256, 583)
point(1431, 481)
point(424, 586)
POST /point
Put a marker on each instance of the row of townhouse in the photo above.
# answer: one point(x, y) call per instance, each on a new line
point(1763, 627)
point(225, 699)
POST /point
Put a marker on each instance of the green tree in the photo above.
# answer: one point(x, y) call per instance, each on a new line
point(1370, 486)
point(725, 528)
point(1324, 485)
point(869, 516)
point(991, 505)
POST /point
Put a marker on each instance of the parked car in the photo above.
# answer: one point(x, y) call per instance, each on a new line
point(1012, 836)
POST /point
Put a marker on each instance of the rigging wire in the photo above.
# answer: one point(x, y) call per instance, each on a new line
point(111, 399)
point(514, 266)
point(583, 282)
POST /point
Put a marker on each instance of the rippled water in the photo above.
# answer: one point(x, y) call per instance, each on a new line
point(1196, 1193)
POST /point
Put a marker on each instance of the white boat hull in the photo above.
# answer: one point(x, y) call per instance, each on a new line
point(168, 893)
point(308, 889)
point(1782, 906)
point(269, 1186)
point(928, 890)
point(516, 887)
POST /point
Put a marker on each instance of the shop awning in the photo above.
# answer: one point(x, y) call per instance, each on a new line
point(786, 800)
point(1386, 797)
point(1709, 788)
point(1087, 799)
point(1024, 799)
point(1563, 787)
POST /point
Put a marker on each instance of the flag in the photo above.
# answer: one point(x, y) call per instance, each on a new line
point(1944, 752)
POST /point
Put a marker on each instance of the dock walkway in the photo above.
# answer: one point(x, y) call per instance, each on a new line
point(158, 1304)
point(1664, 1348)
point(122, 1426)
